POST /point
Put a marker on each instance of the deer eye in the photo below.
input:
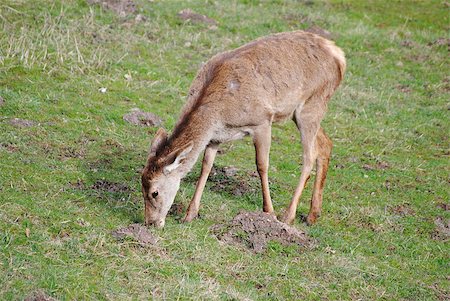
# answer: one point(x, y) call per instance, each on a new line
point(154, 194)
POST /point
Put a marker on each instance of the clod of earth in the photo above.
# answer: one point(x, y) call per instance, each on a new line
point(39, 296)
point(442, 230)
point(104, 185)
point(256, 229)
point(22, 123)
point(137, 232)
point(138, 117)
point(121, 7)
point(189, 15)
point(320, 31)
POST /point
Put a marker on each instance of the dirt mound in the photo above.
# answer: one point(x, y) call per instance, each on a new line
point(256, 229)
point(138, 117)
point(137, 232)
point(39, 296)
point(189, 15)
point(121, 7)
point(22, 123)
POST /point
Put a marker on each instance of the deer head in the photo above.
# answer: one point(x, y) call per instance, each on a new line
point(161, 178)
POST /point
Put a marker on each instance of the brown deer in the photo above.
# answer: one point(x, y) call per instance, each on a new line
point(242, 92)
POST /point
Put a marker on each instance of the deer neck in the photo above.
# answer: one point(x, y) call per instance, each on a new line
point(197, 127)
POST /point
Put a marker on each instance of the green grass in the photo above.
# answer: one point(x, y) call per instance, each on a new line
point(55, 55)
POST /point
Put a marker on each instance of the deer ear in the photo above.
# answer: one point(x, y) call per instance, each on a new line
point(176, 158)
point(159, 139)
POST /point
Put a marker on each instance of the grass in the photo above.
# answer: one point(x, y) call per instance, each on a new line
point(392, 108)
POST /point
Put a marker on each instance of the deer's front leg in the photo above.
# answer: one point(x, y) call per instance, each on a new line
point(262, 139)
point(208, 160)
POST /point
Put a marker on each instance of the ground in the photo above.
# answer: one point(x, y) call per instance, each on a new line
point(70, 163)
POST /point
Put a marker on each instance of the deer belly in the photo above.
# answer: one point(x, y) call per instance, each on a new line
point(230, 134)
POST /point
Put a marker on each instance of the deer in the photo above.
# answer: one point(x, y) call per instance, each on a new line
point(242, 92)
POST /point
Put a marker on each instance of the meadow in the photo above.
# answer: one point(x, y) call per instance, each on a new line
point(70, 164)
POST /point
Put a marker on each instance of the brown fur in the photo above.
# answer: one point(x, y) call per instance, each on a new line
point(242, 91)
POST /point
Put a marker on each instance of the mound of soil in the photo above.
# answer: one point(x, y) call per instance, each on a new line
point(21, 123)
point(121, 7)
point(189, 15)
point(39, 296)
point(138, 117)
point(256, 229)
point(137, 232)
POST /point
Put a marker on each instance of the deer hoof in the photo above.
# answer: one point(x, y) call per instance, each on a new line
point(187, 219)
point(311, 219)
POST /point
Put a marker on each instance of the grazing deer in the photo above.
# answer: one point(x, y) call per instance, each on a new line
point(242, 92)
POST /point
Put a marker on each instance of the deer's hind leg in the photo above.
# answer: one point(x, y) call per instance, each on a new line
point(308, 121)
point(324, 147)
point(262, 139)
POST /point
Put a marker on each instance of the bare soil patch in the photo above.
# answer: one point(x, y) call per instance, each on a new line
point(21, 123)
point(442, 230)
point(408, 43)
point(404, 88)
point(225, 179)
point(136, 232)
point(39, 296)
point(402, 210)
point(138, 117)
point(320, 31)
point(121, 7)
point(380, 165)
point(255, 230)
point(104, 185)
point(191, 16)
point(9, 147)
point(443, 206)
point(440, 42)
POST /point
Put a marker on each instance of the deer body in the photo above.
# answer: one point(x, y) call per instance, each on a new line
point(242, 92)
